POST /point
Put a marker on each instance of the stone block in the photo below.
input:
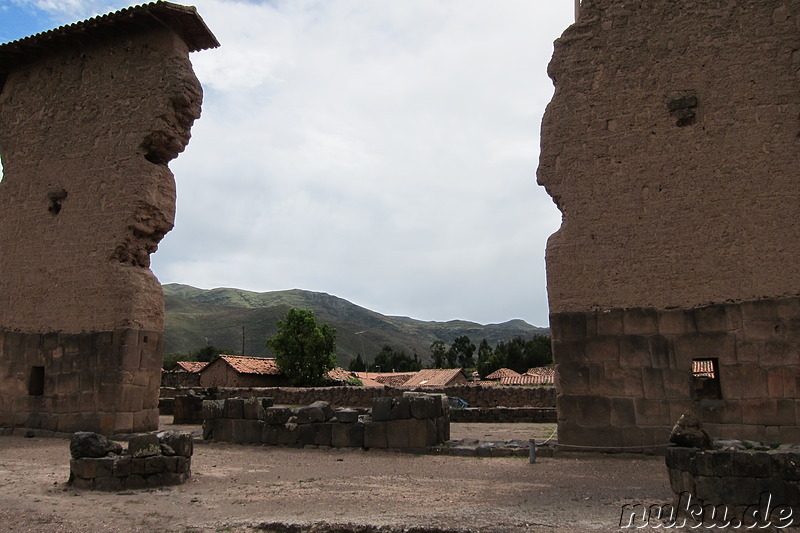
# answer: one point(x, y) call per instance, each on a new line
point(306, 433)
point(138, 466)
point(680, 458)
point(418, 436)
point(121, 467)
point(156, 479)
point(778, 354)
point(623, 412)
point(711, 319)
point(568, 326)
point(381, 409)
point(602, 349)
point(640, 321)
point(750, 464)
point(634, 351)
point(397, 433)
point(326, 408)
point(727, 490)
point(90, 468)
point(677, 384)
point(323, 435)
point(144, 445)
point(108, 483)
point(574, 378)
point(784, 465)
point(442, 430)
point(401, 409)
point(234, 408)
point(223, 430)
point(155, 464)
point(569, 352)
point(719, 412)
point(180, 441)
point(676, 322)
point(346, 416)
point(653, 383)
point(252, 409)
point(309, 414)
point(246, 431)
point(288, 436)
point(423, 407)
point(270, 434)
point(348, 435)
point(176, 479)
point(277, 415)
point(375, 435)
point(135, 481)
point(609, 322)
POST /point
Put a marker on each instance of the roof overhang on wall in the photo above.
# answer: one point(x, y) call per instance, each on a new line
point(183, 20)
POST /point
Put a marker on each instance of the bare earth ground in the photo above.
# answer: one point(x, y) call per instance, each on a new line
point(235, 487)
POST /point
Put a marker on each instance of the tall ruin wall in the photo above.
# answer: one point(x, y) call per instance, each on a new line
point(671, 148)
point(86, 132)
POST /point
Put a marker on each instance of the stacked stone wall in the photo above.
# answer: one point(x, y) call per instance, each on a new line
point(494, 415)
point(152, 460)
point(414, 421)
point(741, 480)
point(625, 376)
point(475, 396)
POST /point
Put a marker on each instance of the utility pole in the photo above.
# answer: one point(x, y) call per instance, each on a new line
point(577, 9)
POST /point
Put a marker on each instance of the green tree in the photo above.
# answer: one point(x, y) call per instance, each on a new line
point(390, 360)
point(304, 350)
point(357, 364)
point(438, 353)
point(463, 349)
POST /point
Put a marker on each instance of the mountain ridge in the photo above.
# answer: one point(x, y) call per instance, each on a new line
point(238, 320)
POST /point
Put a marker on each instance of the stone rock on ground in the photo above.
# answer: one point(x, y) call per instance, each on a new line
point(93, 445)
point(689, 433)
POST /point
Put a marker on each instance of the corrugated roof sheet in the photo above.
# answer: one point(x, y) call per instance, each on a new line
point(501, 373)
point(528, 379)
point(190, 366)
point(252, 365)
point(434, 377)
point(183, 20)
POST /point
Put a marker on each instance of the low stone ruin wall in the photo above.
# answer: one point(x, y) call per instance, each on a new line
point(740, 479)
point(474, 395)
point(414, 420)
point(505, 414)
point(151, 460)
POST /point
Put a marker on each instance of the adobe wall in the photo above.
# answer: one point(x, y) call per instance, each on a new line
point(85, 137)
point(671, 148)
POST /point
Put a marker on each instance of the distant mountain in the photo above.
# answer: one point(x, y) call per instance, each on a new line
point(195, 317)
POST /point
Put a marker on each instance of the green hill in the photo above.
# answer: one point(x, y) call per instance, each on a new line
point(225, 317)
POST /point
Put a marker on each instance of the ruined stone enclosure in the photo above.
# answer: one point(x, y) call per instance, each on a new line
point(671, 147)
point(90, 115)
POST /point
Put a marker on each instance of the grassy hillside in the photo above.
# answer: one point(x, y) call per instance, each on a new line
point(196, 317)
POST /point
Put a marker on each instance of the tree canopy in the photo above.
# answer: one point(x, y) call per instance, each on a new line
point(304, 350)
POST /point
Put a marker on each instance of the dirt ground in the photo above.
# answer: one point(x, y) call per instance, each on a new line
point(237, 487)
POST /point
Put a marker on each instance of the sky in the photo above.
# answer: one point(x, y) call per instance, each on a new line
point(382, 151)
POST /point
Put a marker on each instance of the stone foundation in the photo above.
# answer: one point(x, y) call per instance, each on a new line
point(624, 376)
point(412, 421)
point(152, 460)
point(741, 481)
point(106, 382)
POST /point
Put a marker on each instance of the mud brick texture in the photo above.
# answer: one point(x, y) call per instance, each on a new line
point(413, 421)
point(670, 149)
point(90, 116)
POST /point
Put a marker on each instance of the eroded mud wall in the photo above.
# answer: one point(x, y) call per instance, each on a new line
point(671, 148)
point(86, 133)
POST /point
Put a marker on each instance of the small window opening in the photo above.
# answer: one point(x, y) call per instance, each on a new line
point(36, 384)
point(705, 375)
point(1, 169)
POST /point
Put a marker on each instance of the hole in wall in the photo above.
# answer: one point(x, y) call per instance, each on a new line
point(705, 377)
point(36, 382)
point(55, 198)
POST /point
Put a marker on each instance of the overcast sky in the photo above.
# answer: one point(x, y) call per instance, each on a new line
point(383, 151)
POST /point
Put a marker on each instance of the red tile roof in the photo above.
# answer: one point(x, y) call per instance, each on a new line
point(501, 373)
point(190, 366)
point(435, 377)
point(340, 374)
point(527, 379)
point(252, 365)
